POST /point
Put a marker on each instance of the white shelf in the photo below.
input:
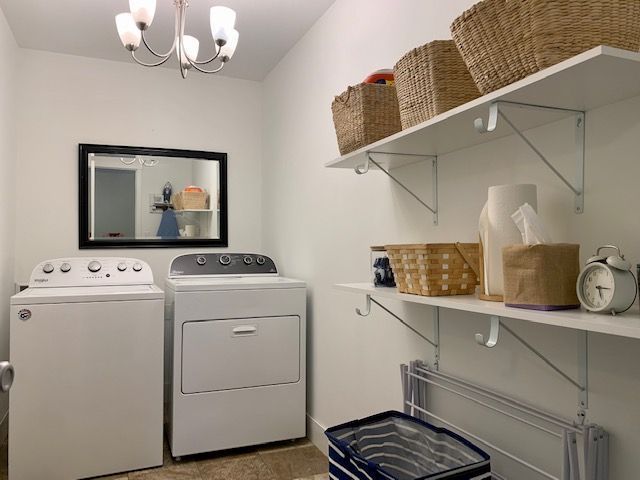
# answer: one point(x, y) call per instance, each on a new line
point(598, 77)
point(188, 210)
point(623, 325)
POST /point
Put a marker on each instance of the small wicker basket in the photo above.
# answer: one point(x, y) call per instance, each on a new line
point(364, 114)
point(503, 41)
point(190, 200)
point(430, 80)
point(435, 269)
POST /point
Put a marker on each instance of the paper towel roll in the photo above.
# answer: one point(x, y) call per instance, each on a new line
point(503, 201)
point(483, 229)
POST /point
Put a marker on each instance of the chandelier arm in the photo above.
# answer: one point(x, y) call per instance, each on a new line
point(159, 55)
point(202, 70)
point(180, 21)
point(140, 62)
point(204, 62)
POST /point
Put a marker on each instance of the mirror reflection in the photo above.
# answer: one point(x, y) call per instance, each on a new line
point(139, 198)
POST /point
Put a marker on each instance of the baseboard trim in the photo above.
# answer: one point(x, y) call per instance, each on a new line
point(315, 432)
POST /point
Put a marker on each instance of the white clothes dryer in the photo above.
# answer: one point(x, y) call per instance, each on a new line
point(238, 367)
point(86, 343)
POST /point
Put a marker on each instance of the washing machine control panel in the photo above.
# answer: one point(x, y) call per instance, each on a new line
point(214, 264)
point(86, 271)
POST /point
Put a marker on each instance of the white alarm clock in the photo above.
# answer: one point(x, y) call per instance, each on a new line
point(606, 284)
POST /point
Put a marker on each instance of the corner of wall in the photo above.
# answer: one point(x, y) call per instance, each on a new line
point(8, 147)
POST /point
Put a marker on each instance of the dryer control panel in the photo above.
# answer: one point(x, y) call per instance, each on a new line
point(220, 264)
point(87, 271)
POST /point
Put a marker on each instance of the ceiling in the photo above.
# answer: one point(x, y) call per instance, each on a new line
point(268, 28)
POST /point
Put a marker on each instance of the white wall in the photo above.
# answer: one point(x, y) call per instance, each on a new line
point(8, 49)
point(66, 100)
point(318, 223)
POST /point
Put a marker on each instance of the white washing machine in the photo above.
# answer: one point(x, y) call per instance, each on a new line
point(238, 372)
point(86, 343)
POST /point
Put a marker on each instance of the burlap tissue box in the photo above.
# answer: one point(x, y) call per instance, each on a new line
point(541, 277)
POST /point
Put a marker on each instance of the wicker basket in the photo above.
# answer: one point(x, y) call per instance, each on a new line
point(190, 200)
point(430, 80)
point(564, 28)
point(364, 114)
point(503, 41)
point(435, 269)
point(480, 37)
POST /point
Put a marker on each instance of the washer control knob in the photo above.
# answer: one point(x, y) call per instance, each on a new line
point(247, 260)
point(65, 267)
point(201, 259)
point(122, 267)
point(137, 267)
point(94, 266)
point(47, 268)
point(225, 259)
point(260, 260)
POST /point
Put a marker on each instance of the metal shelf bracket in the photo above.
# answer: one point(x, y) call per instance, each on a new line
point(495, 112)
point(435, 343)
point(433, 208)
point(582, 384)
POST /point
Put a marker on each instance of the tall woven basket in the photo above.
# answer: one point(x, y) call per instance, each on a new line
point(430, 80)
point(364, 114)
point(502, 41)
point(435, 269)
point(564, 28)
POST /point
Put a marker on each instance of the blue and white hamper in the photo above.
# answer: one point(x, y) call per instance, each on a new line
point(395, 446)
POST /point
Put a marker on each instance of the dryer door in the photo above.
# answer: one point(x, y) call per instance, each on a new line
point(241, 353)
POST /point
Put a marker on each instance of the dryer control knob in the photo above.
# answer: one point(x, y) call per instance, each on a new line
point(65, 267)
point(137, 267)
point(225, 259)
point(247, 260)
point(94, 266)
point(260, 260)
point(47, 268)
point(122, 267)
point(201, 259)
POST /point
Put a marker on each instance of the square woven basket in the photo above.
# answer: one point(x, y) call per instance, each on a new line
point(364, 114)
point(190, 201)
point(503, 41)
point(435, 269)
point(431, 80)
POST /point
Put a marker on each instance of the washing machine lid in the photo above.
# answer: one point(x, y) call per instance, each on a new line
point(200, 284)
point(103, 293)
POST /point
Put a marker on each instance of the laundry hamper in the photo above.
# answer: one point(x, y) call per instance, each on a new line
point(395, 446)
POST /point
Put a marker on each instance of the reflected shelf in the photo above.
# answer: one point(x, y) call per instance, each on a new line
point(197, 210)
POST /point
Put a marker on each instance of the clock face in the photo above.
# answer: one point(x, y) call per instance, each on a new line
point(597, 287)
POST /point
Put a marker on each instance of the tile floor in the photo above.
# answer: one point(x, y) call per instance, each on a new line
point(297, 460)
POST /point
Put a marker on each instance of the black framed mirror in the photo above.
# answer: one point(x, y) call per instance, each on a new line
point(151, 197)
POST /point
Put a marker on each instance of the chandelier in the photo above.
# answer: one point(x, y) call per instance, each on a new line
point(132, 27)
point(144, 162)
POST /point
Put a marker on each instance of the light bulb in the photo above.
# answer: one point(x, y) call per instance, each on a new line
point(221, 18)
point(128, 31)
point(190, 47)
point(228, 49)
point(142, 12)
